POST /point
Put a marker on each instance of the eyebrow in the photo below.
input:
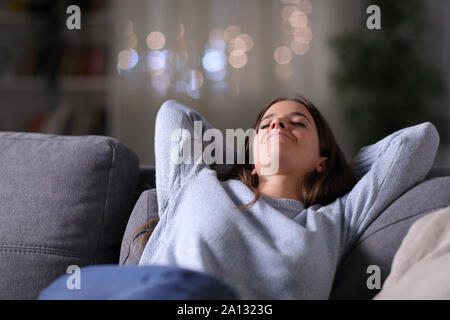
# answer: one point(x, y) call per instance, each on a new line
point(294, 113)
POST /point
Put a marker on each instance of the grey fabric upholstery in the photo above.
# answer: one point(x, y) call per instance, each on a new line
point(63, 201)
point(145, 210)
point(379, 243)
point(376, 246)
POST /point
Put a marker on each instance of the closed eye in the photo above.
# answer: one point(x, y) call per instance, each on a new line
point(299, 124)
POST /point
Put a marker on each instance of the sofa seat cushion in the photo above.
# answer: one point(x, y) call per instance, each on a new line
point(380, 241)
point(133, 243)
point(64, 201)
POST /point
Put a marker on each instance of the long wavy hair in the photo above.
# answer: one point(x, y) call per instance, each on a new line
point(322, 188)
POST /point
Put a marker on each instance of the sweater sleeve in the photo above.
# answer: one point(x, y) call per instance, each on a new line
point(385, 171)
point(178, 148)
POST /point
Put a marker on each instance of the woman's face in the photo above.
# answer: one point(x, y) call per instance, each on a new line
point(297, 149)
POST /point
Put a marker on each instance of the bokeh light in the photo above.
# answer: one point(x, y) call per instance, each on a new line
point(248, 41)
point(298, 19)
point(127, 59)
point(238, 59)
point(299, 47)
point(157, 61)
point(156, 40)
point(214, 60)
point(303, 34)
point(231, 32)
point(287, 11)
point(237, 44)
point(282, 55)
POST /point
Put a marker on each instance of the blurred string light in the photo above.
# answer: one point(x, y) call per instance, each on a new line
point(127, 59)
point(297, 35)
point(156, 40)
point(169, 68)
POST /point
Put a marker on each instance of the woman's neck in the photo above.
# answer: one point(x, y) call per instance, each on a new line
point(280, 186)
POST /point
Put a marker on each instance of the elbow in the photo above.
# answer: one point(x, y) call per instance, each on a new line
point(170, 113)
point(423, 145)
point(429, 138)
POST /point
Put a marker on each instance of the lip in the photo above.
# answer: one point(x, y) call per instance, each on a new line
point(281, 133)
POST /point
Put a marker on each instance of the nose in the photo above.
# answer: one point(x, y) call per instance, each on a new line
point(276, 124)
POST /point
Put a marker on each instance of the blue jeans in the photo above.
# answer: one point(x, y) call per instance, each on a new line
point(112, 282)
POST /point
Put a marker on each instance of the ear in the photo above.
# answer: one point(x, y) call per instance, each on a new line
point(322, 164)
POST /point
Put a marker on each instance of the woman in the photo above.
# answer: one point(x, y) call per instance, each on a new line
point(279, 235)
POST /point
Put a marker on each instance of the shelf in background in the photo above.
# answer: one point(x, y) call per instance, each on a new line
point(10, 18)
point(23, 84)
point(63, 84)
point(80, 84)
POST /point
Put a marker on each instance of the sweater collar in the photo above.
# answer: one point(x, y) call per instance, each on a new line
point(284, 203)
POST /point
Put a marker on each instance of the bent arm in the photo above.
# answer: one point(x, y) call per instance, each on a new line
point(178, 148)
point(386, 170)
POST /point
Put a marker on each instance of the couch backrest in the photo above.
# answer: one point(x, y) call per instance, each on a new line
point(376, 246)
point(379, 243)
point(63, 201)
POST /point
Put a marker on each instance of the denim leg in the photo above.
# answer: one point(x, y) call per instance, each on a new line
point(138, 283)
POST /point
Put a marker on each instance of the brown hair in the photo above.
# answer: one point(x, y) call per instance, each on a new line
point(335, 181)
point(322, 188)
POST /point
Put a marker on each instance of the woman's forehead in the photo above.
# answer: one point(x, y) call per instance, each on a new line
point(286, 107)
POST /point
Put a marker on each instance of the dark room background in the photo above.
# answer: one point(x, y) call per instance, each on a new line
point(226, 59)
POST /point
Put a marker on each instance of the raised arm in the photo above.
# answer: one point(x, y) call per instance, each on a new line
point(175, 158)
point(386, 170)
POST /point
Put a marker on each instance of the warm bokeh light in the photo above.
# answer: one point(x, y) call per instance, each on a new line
point(237, 44)
point(127, 59)
point(248, 41)
point(303, 34)
point(282, 55)
point(238, 59)
point(156, 40)
point(298, 19)
point(231, 32)
point(299, 47)
point(287, 11)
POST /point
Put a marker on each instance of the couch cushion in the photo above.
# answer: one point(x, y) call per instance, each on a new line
point(380, 241)
point(145, 210)
point(63, 201)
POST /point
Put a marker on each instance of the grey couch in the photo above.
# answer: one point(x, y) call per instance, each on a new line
point(78, 201)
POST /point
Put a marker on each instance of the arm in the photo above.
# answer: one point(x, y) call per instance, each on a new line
point(386, 170)
point(176, 161)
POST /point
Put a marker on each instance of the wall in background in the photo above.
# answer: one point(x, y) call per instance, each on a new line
point(235, 102)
